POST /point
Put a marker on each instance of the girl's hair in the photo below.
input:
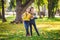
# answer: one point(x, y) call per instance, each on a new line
point(31, 8)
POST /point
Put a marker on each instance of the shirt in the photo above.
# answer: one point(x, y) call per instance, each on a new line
point(26, 16)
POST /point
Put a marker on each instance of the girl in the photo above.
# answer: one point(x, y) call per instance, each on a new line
point(32, 22)
point(26, 18)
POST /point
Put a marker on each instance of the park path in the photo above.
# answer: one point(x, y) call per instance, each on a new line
point(49, 25)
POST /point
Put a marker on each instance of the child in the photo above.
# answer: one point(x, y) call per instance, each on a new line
point(32, 22)
point(26, 18)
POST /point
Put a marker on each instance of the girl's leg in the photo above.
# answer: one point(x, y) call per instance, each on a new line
point(35, 28)
point(31, 29)
point(26, 27)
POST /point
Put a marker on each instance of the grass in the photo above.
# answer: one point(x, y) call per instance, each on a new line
point(49, 29)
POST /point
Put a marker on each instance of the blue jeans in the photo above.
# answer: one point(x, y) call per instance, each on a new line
point(26, 24)
point(32, 22)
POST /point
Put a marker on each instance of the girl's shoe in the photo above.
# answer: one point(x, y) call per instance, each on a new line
point(28, 35)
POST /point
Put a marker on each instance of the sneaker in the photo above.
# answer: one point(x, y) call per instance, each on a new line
point(28, 35)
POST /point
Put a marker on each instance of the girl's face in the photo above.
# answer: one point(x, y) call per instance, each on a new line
point(27, 10)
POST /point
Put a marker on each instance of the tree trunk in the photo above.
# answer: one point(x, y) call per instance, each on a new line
point(39, 11)
point(51, 5)
point(53, 14)
point(0, 16)
point(3, 13)
point(20, 9)
point(49, 9)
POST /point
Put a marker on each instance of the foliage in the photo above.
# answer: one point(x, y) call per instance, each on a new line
point(12, 4)
point(54, 5)
point(23, 1)
point(39, 2)
point(5, 4)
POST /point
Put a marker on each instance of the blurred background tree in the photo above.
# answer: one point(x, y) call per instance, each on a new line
point(19, 6)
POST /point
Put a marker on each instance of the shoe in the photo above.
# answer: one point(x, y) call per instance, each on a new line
point(28, 35)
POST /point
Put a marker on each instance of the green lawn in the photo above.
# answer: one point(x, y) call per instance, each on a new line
point(49, 29)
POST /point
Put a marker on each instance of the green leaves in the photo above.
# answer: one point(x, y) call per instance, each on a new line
point(40, 2)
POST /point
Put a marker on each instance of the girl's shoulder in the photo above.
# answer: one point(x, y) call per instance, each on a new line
point(24, 13)
point(29, 13)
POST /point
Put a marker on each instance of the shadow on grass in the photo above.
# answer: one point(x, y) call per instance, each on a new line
point(44, 35)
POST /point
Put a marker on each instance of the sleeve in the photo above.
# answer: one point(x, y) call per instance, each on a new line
point(23, 16)
point(30, 16)
point(34, 16)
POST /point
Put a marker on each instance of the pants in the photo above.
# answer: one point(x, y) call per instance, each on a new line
point(26, 24)
point(32, 22)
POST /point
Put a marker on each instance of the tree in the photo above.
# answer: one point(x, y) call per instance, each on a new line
point(40, 3)
point(0, 10)
point(20, 9)
point(52, 5)
point(0, 15)
point(12, 5)
point(3, 12)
